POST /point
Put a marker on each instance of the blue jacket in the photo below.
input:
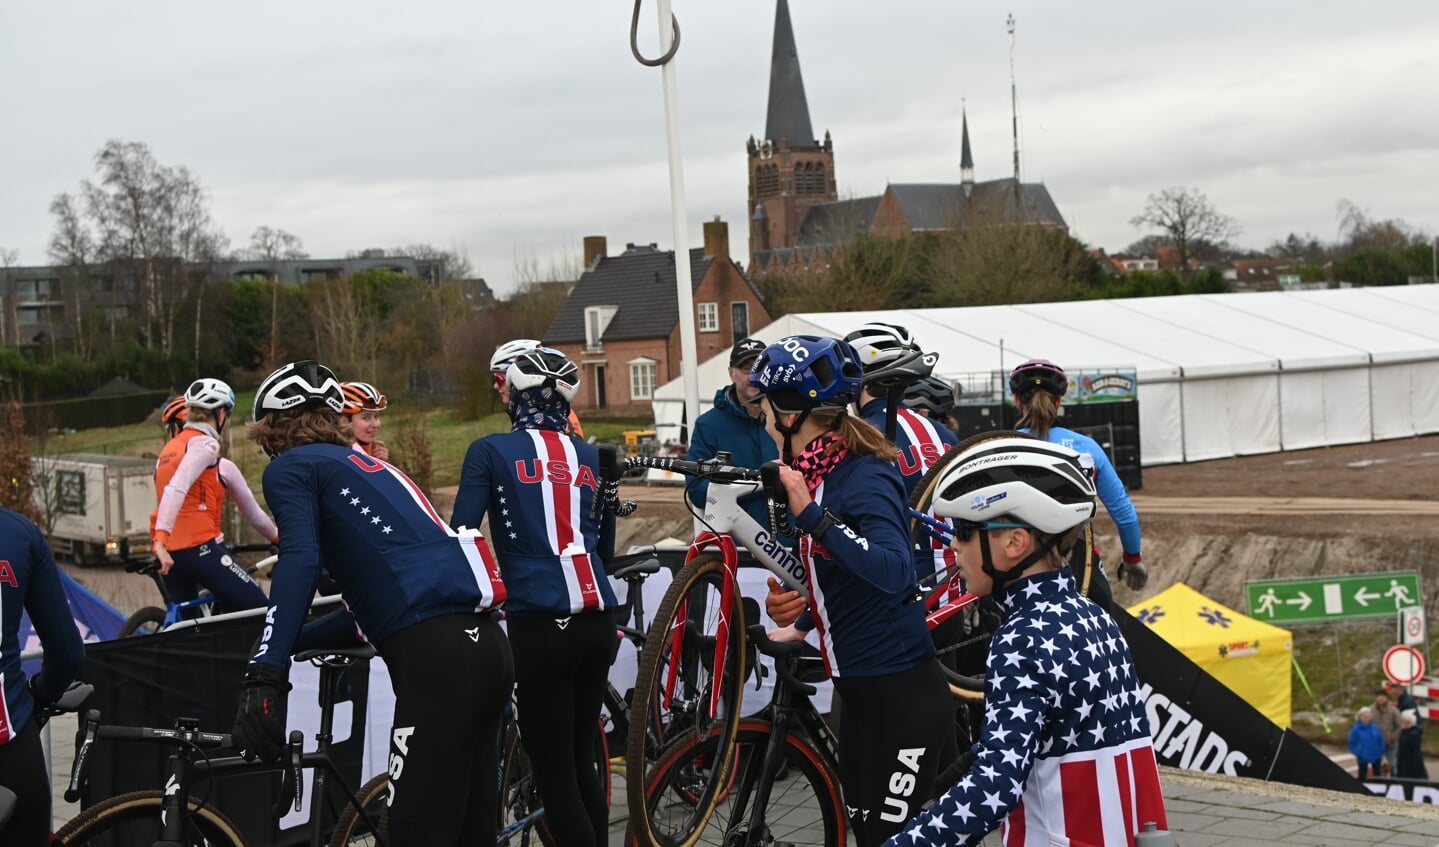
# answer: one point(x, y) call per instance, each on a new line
point(861, 573)
point(30, 582)
point(538, 486)
point(375, 532)
point(729, 427)
point(1366, 742)
point(921, 441)
point(1107, 484)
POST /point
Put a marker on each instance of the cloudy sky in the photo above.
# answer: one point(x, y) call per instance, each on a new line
point(511, 130)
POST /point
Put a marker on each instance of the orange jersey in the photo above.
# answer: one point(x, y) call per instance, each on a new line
point(575, 424)
point(196, 518)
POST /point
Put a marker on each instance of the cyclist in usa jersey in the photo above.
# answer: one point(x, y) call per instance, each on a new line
point(421, 593)
point(1064, 756)
point(363, 405)
point(896, 724)
point(538, 486)
point(500, 362)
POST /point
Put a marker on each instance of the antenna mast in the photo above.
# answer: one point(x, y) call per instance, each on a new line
point(1013, 97)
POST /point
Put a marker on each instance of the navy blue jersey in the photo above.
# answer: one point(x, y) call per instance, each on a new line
point(30, 582)
point(538, 486)
point(921, 441)
point(861, 573)
point(375, 532)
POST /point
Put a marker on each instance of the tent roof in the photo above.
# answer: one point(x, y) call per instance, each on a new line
point(1186, 618)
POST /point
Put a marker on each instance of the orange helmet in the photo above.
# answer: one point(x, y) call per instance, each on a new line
point(362, 397)
point(173, 412)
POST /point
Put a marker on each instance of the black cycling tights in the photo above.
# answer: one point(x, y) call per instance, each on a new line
point(211, 565)
point(452, 676)
point(23, 771)
point(896, 732)
point(561, 667)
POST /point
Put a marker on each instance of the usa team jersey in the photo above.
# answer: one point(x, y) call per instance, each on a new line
point(376, 533)
point(538, 486)
point(1107, 485)
point(921, 441)
point(861, 574)
point(1064, 756)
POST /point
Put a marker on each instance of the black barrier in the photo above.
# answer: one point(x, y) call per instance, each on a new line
point(1408, 790)
point(1199, 724)
point(195, 672)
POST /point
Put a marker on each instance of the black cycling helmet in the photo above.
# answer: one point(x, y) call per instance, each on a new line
point(1038, 374)
point(299, 385)
point(932, 394)
point(890, 357)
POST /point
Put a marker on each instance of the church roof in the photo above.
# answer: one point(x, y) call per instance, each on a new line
point(788, 116)
point(838, 221)
point(931, 206)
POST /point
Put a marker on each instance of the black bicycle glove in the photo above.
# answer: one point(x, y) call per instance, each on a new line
point(260, 722)
point(1133, 572)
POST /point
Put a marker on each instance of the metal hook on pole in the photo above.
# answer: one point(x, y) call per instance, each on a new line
point(635, 40)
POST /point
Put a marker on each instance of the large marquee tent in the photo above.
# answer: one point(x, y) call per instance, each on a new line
point(1219, 374)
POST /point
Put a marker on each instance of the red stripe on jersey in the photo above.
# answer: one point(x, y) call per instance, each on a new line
point(1126, 796)
point(1148, 794)
point(492, 568)
point(565, 530)
point(1083, 820)
point(1014, 827)
point(416, 493)
point(6, 733)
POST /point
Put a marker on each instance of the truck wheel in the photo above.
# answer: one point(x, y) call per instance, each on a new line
point(147, 621)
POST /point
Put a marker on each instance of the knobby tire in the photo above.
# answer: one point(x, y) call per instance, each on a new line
point(130, 813)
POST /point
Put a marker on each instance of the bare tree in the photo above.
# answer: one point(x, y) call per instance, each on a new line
point(9, 258)
point(1358, 230)
point(1186, 216)
point(1006, 263)
point(439, 265)
point(272, 245)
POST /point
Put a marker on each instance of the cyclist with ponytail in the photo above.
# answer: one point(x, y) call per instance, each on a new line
point(1064, 755)
point(896, 728)
point(1039, 386)
point(538, 486)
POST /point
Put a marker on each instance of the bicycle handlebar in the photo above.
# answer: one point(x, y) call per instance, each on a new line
point(712, 469)
point(183, 733)
point(785, 654)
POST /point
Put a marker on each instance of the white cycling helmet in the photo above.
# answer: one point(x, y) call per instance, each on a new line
point(506, 353)
point(1023, 480)
point(544, 366)
point(298, 385)
point(210, 394)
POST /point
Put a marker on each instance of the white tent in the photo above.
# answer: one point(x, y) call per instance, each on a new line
point(1219, 374)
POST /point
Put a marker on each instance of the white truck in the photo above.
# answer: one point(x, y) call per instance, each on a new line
point(96, 507)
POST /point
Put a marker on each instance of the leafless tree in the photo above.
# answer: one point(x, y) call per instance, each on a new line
point(1186, 216)
point(9, 258)
point(269, 244)
point(1357, 229)
point(440, 265)
point(1003, 263)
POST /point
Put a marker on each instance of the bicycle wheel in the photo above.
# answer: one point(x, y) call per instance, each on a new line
point(352, 828)
point(144, 622)
point(134, 818)
point(804, 807)
point(680, 689)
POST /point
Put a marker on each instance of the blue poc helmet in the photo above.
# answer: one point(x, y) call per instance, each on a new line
point(801, 373)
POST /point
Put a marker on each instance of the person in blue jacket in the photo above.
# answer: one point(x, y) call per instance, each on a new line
point(30, 582)
point(734, 425)
point(538, 484)
point(1039, 386)
point(896, 728)
point(419, 592)
point(1366, 742)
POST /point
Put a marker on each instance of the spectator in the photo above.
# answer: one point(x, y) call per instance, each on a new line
point(1386, 717)
point(1411, 748)
point(1400, 697)
point(735, 426)
point(1366, 742)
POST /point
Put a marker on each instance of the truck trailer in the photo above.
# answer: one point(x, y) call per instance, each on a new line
point(97, 507)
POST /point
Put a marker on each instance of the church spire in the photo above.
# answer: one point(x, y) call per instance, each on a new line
point(788, 116)
point(966, 160)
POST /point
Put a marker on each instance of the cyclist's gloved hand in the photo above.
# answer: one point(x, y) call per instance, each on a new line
point(1133, 571)
point(260, 722)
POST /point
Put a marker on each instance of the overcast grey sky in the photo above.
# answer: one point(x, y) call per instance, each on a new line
point(514, 129)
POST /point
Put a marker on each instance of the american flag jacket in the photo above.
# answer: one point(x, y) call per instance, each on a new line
point(1064, 757)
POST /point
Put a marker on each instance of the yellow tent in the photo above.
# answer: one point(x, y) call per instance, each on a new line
point(1250, 657)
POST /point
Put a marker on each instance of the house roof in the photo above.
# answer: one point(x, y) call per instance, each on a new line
point(929, 206)
point(640, 283)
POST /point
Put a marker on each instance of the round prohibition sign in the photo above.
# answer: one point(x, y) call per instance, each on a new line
point(1414, 626)
point(1403, 665)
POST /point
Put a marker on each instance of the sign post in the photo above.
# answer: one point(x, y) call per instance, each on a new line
point(1411, 626)
point(1324, 599)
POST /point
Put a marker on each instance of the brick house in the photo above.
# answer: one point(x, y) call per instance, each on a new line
point(620, 323)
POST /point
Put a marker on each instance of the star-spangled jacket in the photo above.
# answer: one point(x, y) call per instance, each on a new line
point(921, 441)
point(861, 574)
point(538, 486)
point(1064, 757)
point(1107, 485)
point(376, 533)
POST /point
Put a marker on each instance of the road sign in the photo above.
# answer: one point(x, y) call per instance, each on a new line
point(1411, 626)
point(1403, 665)
point(1332, 598)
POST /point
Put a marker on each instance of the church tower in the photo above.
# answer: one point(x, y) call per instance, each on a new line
point(789, 169)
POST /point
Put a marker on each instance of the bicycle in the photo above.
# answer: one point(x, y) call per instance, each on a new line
point(152, 619)
point(129, 817)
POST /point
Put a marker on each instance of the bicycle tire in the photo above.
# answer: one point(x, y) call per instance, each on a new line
point(351, 828)
point(700, 581)
point(811, 786)
point(146, 621)
point(110, 818)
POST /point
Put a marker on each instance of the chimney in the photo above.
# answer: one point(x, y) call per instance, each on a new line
point(596, 248)
point(716, 239)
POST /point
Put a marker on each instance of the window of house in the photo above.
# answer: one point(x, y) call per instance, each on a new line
point(32, 290)
point(709, 317)
point(738, 320)
point(28, 317)
point(597, 320)
point(642, 378)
